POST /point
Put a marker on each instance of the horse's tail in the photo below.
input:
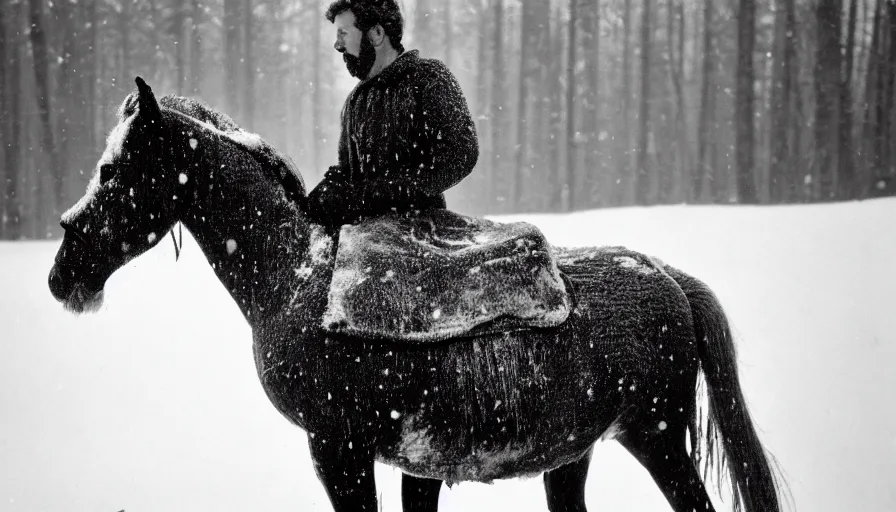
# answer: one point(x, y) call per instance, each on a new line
point(731, 440)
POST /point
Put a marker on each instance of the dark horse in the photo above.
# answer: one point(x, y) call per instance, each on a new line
point(624, 366)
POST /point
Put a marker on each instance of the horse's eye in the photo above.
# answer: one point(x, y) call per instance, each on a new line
point(106, 172)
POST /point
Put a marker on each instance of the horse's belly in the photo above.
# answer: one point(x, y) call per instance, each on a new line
point(485, 464)
point(455, 456)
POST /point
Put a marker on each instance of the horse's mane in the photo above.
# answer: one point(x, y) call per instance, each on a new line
point(200, 111)
point(275, 164)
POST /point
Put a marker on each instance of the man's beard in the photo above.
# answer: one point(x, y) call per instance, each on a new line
point(359, 67)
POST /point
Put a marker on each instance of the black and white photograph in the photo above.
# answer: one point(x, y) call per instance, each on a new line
point(447, 255)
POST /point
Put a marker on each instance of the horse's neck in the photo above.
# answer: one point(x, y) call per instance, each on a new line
point(254, 238)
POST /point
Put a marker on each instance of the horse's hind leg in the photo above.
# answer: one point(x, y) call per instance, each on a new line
point(419, 494)
point(663, 454)
point(565, 486)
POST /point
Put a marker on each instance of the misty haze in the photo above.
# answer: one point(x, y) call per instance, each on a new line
point(751, 144)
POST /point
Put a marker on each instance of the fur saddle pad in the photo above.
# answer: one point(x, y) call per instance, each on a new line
point(441, 275)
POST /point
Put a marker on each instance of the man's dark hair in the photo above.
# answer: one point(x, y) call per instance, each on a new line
point(370, 13)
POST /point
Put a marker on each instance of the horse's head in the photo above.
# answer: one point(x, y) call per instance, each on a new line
point(136, 195)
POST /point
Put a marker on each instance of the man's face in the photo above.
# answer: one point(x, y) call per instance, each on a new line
point(348, 37)
point(356, 49)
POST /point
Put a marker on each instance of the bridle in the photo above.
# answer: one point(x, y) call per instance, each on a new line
point(178, 245)
point(184, 199)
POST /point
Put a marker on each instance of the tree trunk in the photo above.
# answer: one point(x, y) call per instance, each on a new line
point(232, 54)
point(860, 69)
point(624, 156)
point(32, 191)
point(178, 22)
point(676, 35)
point(593, 170)
point(196, 67)
point(44, 103)
point(11, 215)
point(687, 156)
point(744, 102)
point(422, 30)
point(4, 125)
point(483, 123)
point(796, 173)
point(65, 93)
point(705, 146)
point(781, 103)
point(521, 169)
point(498, 113)
point(124, 29)
point(889, 90)
point(73, 126)
point(827, 83)
point(90, 70)
point(482, 67)
point(317, 95)
point(569, 185)
point(881, 112)
point(107, 77)
point(296, 85)
point(642, 183)
point(847, 174)
point(542, 132)
point(556, 112)
point(154, 19)
point(870, 133)
point(449, 39)
point(248, 66)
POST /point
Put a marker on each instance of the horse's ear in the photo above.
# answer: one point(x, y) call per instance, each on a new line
point(146, 100)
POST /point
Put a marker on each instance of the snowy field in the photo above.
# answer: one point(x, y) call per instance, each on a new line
point(153, 403)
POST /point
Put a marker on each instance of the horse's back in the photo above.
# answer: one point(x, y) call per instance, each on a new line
point(627, 302)
point(613, 282)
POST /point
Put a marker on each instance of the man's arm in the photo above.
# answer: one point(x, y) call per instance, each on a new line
point(448, 144)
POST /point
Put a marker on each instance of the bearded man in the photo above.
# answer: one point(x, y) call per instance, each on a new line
point(407, 134)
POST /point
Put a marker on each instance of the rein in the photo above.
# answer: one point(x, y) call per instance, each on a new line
point(177, 248)
point(185, 200)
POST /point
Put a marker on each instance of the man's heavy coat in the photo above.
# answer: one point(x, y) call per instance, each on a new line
point(407, 136)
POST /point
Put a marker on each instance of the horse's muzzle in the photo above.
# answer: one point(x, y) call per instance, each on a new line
point(73, 265)
point(77, 296)
point(63, 281)
point(57, 285)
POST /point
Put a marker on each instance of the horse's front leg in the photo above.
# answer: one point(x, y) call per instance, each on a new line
point(419, 494)
point(345, 468)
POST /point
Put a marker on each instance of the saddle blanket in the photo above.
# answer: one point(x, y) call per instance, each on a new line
point(441, 275)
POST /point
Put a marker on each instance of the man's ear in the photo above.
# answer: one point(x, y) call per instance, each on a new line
point(377, 35)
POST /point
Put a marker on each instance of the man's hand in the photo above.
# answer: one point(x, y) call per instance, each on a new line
point(332, 201)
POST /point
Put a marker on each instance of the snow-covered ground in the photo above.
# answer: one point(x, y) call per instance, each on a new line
point(153, 403)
